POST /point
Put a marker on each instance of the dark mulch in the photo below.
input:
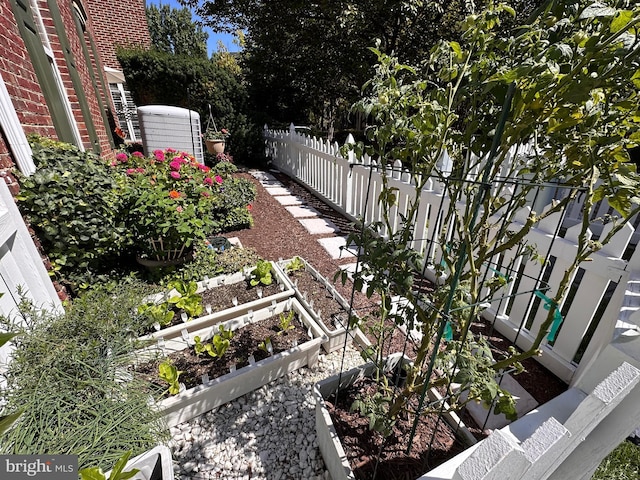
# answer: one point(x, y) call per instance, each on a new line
point(369, 452)
point(242, 346)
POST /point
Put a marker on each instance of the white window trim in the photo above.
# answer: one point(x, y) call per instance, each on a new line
point(12, 128)
point(42, 32)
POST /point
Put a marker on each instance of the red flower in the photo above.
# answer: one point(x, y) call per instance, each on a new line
point(174, 194)
point(249, 207)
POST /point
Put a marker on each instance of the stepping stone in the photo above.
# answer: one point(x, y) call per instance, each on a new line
point(263, 176)
point(302, 212)
point(289, 200)
point(278, 190)
point(318, 226)
point(524, 404)
point(336, 246)
point(271, 183)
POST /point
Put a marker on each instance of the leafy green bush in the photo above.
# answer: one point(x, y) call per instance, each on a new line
point(237, 259)
point(73, 204)
point(65, 377)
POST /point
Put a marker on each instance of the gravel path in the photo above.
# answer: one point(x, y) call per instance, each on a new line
point(268, 434)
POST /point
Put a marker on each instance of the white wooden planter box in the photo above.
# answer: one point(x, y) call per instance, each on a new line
point(218, 391)
point(214, 318)
point(155, 464)
point(333, 454)
point(337, 335)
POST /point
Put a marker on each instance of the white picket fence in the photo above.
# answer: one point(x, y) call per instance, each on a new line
point(600, 291)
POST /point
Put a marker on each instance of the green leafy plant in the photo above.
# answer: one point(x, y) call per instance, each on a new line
point(157, 312)
point(7, 420)
point(187, 298)
point(266, 346)
point(75, 206)
point(71, 366)
point(218, 346)
point(376, 408)
point(167, 199)
point(294, 265)
point(558, 84)
point(237, 259)
point(170, 374)
point(261, 274)
point(285, 322)
point(117, 473)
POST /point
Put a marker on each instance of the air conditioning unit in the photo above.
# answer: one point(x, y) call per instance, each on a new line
point(163, 126)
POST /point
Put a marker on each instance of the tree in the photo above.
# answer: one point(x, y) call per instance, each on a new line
point(568, 84)
point(306, 61)
point(173, 31)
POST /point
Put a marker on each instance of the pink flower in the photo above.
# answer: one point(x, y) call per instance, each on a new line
point(203, 168)
point(171, 150)
point(175, 165)
point(175, 175)
point(159, 154)
point(122, 157)
point(114, 163)
point(140, 170)
point(218, 179)
point(138, 154)
point(206, 194)
point(179, 209)
point(208, 180)
point(131, 171)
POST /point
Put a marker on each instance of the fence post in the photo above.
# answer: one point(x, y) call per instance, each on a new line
point(347, 191)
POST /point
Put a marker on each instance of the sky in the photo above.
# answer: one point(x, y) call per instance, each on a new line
point(212, 42)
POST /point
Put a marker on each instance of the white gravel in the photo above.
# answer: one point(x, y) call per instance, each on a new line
point(268, 434)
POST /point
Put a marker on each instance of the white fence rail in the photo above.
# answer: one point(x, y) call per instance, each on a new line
point(588, 312)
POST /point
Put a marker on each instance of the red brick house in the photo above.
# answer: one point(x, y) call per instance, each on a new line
point(53, 56)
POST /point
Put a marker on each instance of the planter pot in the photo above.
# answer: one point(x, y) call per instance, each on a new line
point(164, 254)
point(215, 146)
point(218, 391)
point(156, 464)
point(334, 456)
point(338, 334)
point(214, 318)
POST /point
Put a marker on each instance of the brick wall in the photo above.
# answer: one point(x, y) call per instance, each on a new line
point(118, 23)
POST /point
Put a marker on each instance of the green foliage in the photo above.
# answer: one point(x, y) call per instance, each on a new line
point(295, 265)
point(170, 374)
point(285, 322)
point(623, 463)
point(567, 84)
point(218, 346)
point(266, 346)
point(167, 196)
point(237, 259)
point(117, 473)
point(261, 274)
point(172, 30)
point(187, 298)
point(195, 83)
point(68, 375)
point(376, 408)
point(159, 313)
point(73, 203)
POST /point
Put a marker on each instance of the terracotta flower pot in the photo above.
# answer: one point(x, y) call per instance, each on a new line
point(215, 146)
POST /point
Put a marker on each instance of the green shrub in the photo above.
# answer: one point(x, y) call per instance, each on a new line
point(237, 259)
point(72, 203)
point(65, 377)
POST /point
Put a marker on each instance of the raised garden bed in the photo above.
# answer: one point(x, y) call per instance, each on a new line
point(328, 307)
point(224, 297)
point(242, 379)
point(335, 424)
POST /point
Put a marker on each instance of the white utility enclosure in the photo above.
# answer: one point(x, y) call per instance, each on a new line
point(163, 126)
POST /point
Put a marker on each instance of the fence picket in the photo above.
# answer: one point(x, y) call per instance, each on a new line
point(354, 188)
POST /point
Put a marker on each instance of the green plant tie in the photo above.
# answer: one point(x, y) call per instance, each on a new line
point(448, 332)
point(500, 274)
point(557, 316)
